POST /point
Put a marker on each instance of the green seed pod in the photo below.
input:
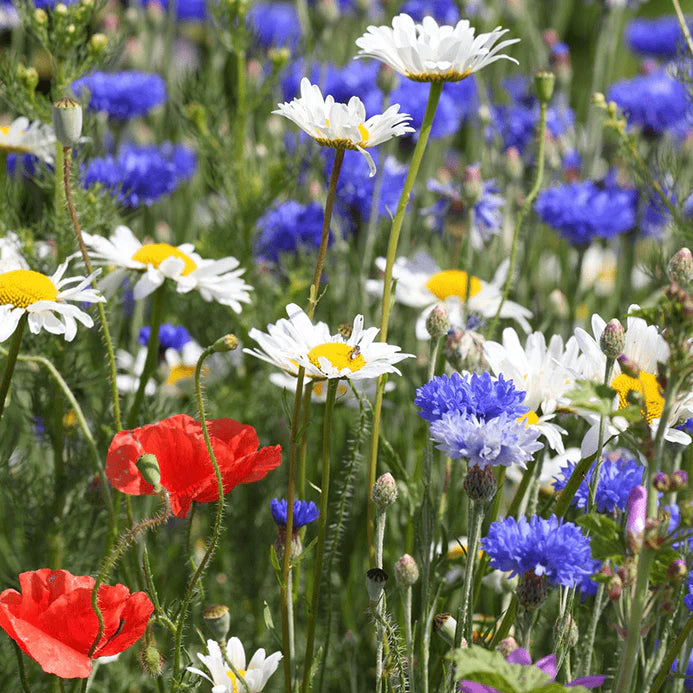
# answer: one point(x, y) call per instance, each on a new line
point(218, 620)
point(228, 342)
point(375, 583)
point(67, 121)
point(544, 82)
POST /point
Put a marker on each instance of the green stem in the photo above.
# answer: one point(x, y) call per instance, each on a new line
point(684, 25)
point(465, 614)
point(322, 531)
point(303, 449)
point(576, 478)
point(433, 97)
point(600, 443)
point(671, 656)
point(20, 667)
point(152, 353)
point(586, 658)
point(408, 638)
point(524, 210)
point(217, 520)
point(11, 361)
point(469, 258)
point(506, 623)
point(379, 538)
point(241, 93)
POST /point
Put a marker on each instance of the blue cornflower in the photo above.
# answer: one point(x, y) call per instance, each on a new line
point(443, 11)
point(657, 37)
point(617, 477)
point(477, 395)
point(186, 10)
point(289, 228)
point(123, 95)
point(499, 441)
point(170, 336)
point(688, 599)
point(583, 211)
point(141, 174)
point(552, 548)
point(305, 512)
point(275, 24)
point(654, 102)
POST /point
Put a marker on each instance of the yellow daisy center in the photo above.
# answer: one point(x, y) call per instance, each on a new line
point(234, 679)
point(155, 253)
point(647, 385)
point(7, 146)
point(529, 419)
point(340, 355)
point(22, 288)
point(452, 283)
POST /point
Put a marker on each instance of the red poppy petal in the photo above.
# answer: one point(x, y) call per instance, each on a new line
point(121, 469)
point(133, 619)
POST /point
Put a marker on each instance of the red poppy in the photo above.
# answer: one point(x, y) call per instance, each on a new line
point(53, 621)
point(186, 470)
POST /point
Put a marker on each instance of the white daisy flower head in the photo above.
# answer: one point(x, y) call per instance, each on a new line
point(343, 126)
point(428, 52)
point(223, 678)
point(421, 283)
point(47, 301)
point(351, 353)
point(215, 280)
point(25, 137)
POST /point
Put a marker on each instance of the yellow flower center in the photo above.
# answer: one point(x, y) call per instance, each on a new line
point(647, 385)
point(340, 355)
point(22, 288)
point(234, 679)
point(529, 419)
point(155, 253)
point(11, 148)
point(449, 76)
point(180, 372)
point(452, 283)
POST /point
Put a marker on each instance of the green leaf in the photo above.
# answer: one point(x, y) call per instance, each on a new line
point(593, 396)
point(606, 538)
point(559, 688)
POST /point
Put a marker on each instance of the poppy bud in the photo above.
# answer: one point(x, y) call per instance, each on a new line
point(67, 121)
point(151, 661)
point(613, 339)
point(406, 571)
point(384, 491)
point(218, 620)
point(438, 321)
point(678, 480)
point(544, 81)
point(228, 342)
point(681, 267)
point(480, 484)
point(375, 583)
point(148, 467)
point(445, 625)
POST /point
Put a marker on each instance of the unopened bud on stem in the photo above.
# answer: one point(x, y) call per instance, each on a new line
point(67, 121)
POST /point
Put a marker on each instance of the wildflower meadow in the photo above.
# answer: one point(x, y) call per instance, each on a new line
point(346, 346)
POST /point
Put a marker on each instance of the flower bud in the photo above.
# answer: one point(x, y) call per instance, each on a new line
point(636, 517)
point(681, 267)
point(507, 645)
point(613, 339)
point(375, 583)
point(384, 491)
point(406, 571)
point(228, 342)
point(598, 99)
point(627, 571)
point(151, 660)
point(531, 591)
point(628, 366)
point(28, 76)
point(472, 186)
point(566, 630)
point(480, 483)
point(445, 625)
point(438, 321)
point(661, 482)
point(67, 121)
point(218, 620)
point(614, 588)
point(678, 480)
point(60, 9)
point(677, 570)
point(148, 467)
point(98, 43)
point(40, 17)
point(513, 163)
point(544, 81)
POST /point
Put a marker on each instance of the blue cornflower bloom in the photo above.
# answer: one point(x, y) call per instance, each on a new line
point(275, 24)
point(688, 599)
point(123, 95)
point(552, 548)
point(443, 11)
point(289, 228)
point(655, 102)
point(617, 477)
point(170, 336)
point(657, 37)
point(186, 10)
point(305, 512)
point(141, 174)
point(477, 395)
point(499, 441)
point(583, 211)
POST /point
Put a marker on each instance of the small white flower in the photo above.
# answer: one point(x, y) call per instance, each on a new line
point(44, 300)
point(216, 280)
point(297, 342)
point(223, 678)
point(343, 126)
point(24, 137)
point(427, 52)
point(422, 284)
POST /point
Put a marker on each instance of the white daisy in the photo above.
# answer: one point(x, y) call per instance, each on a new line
point(351, 353)
point(45, 300)
point(427, 52)
point(599, 267)
point(544, 372)
point(223, 678)
point(645, 347)
point(216, 280)
point(343, 126)
point(11, 257)
point(422, 284)
point(24, 137)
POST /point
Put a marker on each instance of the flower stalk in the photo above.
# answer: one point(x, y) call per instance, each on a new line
point(11, 362)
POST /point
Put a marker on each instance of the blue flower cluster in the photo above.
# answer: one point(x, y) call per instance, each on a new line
point(289, 228)
point(551, 548)
point(477, 395)
point(688, 599)
point(275, 24)
point(617, 477)
point(584, 211)
point(656, 37)
point(305, 512)
point(170, 336)
point(123, 95)
point(142, 174)
point(186, 10)
point(655, 102)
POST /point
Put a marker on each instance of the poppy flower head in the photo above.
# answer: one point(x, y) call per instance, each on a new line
point(53, 622)
point(186, 470)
